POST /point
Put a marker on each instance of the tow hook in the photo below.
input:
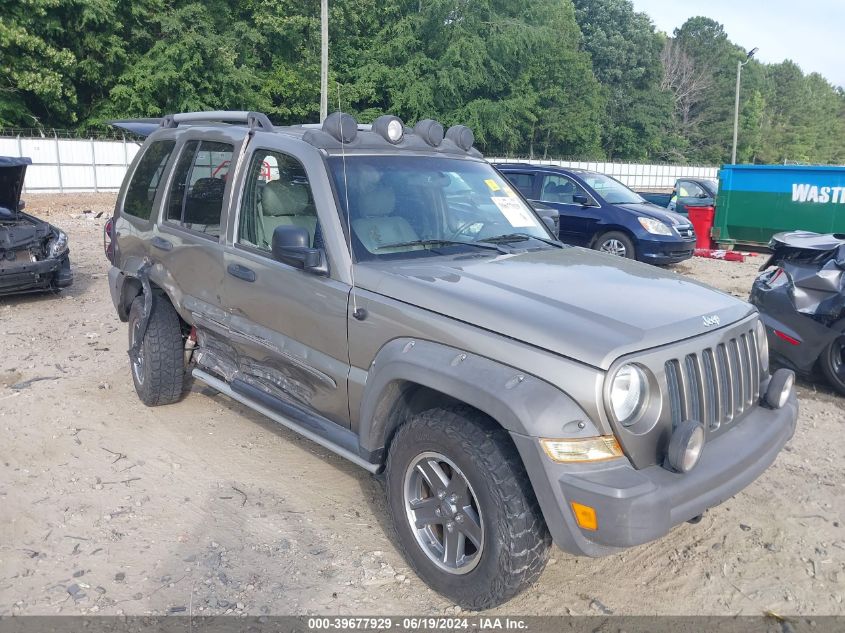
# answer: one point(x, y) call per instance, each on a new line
point(696, 519)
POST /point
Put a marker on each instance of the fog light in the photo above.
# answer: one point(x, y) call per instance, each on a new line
point(685, 446)
point(780, 388)
point(585, 516)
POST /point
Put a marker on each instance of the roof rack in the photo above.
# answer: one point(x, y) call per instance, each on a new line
point(255, 120)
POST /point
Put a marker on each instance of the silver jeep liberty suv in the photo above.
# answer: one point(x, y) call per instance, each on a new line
point(383, 291)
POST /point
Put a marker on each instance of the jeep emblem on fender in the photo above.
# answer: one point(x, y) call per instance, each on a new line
point(711, 320)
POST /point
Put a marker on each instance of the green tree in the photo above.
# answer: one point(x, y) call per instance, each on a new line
point(35, 66)
point(513, 71)
point(625, 52)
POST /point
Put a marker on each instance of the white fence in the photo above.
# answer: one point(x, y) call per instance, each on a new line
point(638, 176)
point(63, 165)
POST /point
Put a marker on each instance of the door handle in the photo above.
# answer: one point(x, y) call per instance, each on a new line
point(241, 272)
point(161, 243)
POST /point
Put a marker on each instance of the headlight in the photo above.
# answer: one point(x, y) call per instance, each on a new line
point(762, 346)
point(628, 393)
point(57, 246)
point(656, 227)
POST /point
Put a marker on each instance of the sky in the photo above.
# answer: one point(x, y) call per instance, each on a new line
point(808, 32)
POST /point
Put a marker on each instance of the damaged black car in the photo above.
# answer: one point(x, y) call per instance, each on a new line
point(34, 255)
point(800, 294)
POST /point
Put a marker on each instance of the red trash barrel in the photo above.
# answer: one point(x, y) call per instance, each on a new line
point(702, 222)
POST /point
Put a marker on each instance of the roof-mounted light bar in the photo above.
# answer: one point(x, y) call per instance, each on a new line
point(345, 129)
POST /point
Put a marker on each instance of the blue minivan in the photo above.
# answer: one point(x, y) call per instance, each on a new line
point(599, 212)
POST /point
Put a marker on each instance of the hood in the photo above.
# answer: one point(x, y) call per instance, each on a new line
point(588, 306)
point(655, 212)
point(12, 172)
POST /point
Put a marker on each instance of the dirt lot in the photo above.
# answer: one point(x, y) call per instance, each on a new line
point(107, 506)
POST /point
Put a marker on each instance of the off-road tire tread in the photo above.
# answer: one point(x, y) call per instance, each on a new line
point(163, 351)
point(524, 536)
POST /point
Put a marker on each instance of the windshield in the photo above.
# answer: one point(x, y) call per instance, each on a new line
point(613, 191)
point(417, 206)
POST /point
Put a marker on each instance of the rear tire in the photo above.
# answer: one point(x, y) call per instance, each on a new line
point(501, 541)
point(159, 371)
point(832, 360)
point(616, 243)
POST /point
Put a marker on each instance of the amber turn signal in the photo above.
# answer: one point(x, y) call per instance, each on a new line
point(585, 449)
point(585, 516)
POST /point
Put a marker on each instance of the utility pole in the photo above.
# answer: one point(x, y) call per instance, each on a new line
point(324, 59)
point(739, 66)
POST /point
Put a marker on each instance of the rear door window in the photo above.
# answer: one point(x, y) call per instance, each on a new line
point(522, 181)
point(195, 199)
point(141, 191)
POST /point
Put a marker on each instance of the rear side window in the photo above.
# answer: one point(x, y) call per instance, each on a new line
point(195, 199)
point(522, 181)
point(145, 181)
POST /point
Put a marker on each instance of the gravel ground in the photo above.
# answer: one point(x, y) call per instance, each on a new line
point(205, 507)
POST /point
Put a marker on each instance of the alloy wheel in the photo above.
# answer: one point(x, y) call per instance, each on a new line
point(443, 513)
point(614, 247)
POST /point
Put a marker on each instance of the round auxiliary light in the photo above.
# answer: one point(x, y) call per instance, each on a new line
point(390, 128)
point(341, 126)
point(685, 446)
point(461, 136)
point(780, 388)
point(430, 131)
point(628, 393)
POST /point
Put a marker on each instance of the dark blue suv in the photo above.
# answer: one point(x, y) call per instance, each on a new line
point(600, 212)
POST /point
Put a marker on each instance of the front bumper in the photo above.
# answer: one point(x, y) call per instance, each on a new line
point(661, 252)
point(636, 506)
point(35, 276)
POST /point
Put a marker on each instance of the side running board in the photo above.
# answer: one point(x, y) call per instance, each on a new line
point(252, 403)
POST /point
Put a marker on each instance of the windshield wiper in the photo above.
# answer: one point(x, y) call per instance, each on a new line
point(521, 237)
point(490, 247)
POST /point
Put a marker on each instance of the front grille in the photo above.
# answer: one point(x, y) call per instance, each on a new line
point(717, 385)
point(685, 232)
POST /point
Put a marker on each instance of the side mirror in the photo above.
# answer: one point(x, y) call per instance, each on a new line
point(550, 224)
point(290, 246)
point(580, 198)
point(21, 205)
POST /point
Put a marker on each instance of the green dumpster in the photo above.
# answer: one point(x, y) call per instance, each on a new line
point(756, 201)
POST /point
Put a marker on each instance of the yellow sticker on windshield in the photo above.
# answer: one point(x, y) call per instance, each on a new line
point(494, 186)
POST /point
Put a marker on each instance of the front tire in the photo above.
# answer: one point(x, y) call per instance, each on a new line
point(463, 509)
point(616, 243)
point(158, 371)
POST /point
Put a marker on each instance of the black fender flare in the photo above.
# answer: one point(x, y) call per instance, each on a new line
point(519, 402)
